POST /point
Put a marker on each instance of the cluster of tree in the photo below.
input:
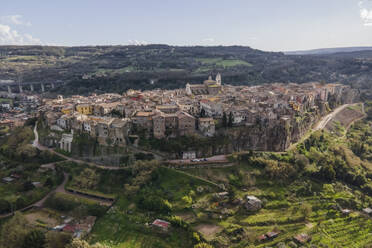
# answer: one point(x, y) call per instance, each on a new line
point(142, 172)
point(17, 146)
point(204, 145)
point(146, 200)
point(116, 69)
point(143, 156)
point(87, 179)
point(280, 168)
point(79, 243)
point(27, 194)
point(67, 204)
point(335, 162)
point(227, 121)
point(18, 233)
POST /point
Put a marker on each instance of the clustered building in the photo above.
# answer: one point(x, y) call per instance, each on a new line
point(195, 110)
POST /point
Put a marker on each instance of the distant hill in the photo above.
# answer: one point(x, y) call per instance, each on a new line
point(323, 51)
point(102, 69)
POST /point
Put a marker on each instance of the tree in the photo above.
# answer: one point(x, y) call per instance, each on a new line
point(231, 120)
point(224, 120)
point(28, 186)
point(5, 206)
point(13, 232)
point(78, 243)
point(49, 182)
point(187, 200)
point(203, 245)
point(306, 210)
point(301, 161)
point(20, 202)
point(34, 239)
point(87, 179)
point(327, 172)
point(57, 239)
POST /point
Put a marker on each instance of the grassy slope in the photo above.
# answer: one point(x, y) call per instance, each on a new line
point(120, 229)
point(283, 208)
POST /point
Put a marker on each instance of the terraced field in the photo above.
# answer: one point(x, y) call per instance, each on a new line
point(353, 231)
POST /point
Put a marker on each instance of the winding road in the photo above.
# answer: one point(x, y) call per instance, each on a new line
point(324, 121)
point(40, 203)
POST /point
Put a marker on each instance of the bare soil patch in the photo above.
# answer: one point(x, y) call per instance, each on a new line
point(208, 231)
point(37, 217)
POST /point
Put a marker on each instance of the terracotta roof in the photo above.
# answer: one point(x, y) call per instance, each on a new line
point(161, 223)
point(144, 114)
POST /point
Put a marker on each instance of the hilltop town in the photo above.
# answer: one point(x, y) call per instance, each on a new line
point(268, 117)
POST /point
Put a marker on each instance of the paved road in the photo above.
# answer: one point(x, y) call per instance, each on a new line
point(324, 121)
point(36, 144)
point(217, 158)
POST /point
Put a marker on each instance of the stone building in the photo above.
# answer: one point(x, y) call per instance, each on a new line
point(209, 87)
point(159, 126)
point(186, 123)
point(207, 126)
point(143, 119)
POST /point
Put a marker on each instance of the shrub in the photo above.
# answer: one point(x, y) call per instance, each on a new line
point(61, 203)
point(34, 239)
point(5, 206)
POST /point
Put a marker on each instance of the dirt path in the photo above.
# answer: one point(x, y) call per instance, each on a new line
point(61, 189)
point(40, 202)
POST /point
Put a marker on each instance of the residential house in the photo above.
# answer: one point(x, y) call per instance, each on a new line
point(207, 126)
point(85, 109)
point(161, 225)
point(186, 123)
point(143, 119)
point(188, 155)
point(253, 203)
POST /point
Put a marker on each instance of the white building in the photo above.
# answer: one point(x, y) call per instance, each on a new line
point(66, 141)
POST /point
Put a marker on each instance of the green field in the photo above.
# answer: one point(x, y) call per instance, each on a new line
point(223, 62)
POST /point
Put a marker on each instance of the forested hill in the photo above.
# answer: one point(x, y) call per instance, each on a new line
point(323, 51)
point(118, 68)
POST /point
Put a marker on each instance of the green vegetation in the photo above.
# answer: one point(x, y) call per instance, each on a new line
point(181, 144)
point(161, 197)
point(304, 190)
point(21, 162)
point(119, 68)
point(75, 206)
point(220, 62)
point(96, 181)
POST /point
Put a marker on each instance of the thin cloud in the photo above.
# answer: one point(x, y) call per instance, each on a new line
point(365, 8)
point(15, 20)
point(137, 43)
point(208, 40)
point(8, 36)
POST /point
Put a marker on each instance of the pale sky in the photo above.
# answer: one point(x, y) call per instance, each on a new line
point(271, 25)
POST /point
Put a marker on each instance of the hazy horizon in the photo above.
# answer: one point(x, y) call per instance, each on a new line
point(288, 25)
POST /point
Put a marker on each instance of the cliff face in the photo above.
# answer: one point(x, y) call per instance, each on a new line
point(277, 134)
